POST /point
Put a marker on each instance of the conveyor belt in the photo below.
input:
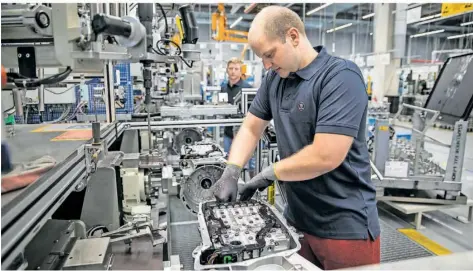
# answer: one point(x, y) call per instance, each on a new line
point(179, 213)
point(185, 237)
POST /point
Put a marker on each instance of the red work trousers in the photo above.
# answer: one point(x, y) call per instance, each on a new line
point(330, 254)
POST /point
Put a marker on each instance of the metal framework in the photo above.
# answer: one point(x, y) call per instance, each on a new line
point(220, 31)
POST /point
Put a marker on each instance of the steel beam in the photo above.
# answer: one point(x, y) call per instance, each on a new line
point(159, 125)
point(417, 184)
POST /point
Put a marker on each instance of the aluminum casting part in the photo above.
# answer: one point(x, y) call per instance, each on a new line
point(196, 188)
point(186, 136)
point(207, 243)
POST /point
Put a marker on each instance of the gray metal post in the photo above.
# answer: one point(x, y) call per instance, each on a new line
point(109, 97)
point(418, 124)
point(258, 157)
point(41, 94)
point(457, 152)
point(96, 132)
point(303, 12)
point(17, 100)
point(381, 144)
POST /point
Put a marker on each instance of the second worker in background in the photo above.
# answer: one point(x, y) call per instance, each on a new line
point(232, 87)
point(319, 104)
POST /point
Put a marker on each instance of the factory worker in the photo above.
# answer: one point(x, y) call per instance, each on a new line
point(232, 87)
point(319, 104)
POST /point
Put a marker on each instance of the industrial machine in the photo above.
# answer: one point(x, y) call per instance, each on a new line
point(237, 234)
point(109, 193)
point(405, 170)
point(111, 189)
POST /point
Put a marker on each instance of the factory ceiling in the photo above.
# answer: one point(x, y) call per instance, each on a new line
point(334, 15)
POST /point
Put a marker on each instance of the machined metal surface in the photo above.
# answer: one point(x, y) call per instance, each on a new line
point(49, 248)
point(186, 136)
point(240, 234)
point(90, 254)
point(196, 188)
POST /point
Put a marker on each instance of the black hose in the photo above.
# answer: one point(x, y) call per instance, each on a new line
point(164, 15)
point(166, 42)
point(145, 115)
point(35, 82)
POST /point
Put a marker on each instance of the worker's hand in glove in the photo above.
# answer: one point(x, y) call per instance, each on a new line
point(226, 188)
point(260, 182)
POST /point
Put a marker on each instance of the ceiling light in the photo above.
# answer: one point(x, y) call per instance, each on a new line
point(428, 18)
point(371, 34)
point(459, 36)
point(465, 24)
point(427, 33)
point(289, 5)
point(339, 27)
point(250, 7)
point(236, 22)
point(318, 8)
point(431, 16)
point(368, 16)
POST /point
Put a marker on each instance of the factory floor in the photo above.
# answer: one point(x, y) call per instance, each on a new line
point(441, 226)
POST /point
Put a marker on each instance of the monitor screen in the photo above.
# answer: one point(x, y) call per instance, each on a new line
point(452, 94)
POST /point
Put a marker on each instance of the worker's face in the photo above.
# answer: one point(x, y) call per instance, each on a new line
point(234, 71)
point(281, 57)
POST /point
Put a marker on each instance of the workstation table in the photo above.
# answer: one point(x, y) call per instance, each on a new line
point(33, 141)
point(419, 208)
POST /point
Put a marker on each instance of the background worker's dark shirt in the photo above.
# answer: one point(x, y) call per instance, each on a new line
point(232, 91)
point(327, 96)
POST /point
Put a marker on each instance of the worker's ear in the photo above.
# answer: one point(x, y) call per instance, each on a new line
point(293, 36)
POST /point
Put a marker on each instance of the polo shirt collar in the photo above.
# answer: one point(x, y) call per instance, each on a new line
point(307, 72)
point(238, 84)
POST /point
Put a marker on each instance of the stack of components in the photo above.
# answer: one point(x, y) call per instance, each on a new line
point(403, 150)
point(202, 164)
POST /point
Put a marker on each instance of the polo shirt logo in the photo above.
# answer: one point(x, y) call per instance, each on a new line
point(301, 106)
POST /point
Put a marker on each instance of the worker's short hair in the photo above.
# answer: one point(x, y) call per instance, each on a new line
point(280, 22)
point(234, 60)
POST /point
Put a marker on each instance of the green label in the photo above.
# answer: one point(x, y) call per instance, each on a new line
point(227, 259)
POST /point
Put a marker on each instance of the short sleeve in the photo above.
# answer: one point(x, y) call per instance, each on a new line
point(342, 104)
point(260, 106)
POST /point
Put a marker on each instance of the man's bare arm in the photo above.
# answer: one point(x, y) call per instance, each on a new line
point(245, 141)
point(325, 154)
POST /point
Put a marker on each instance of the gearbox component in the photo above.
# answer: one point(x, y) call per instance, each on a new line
point(196, 188)
point(241, 233)
point(187, 137)
point(203, 149)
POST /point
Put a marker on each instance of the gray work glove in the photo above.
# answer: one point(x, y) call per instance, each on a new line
point(260, 182)
point(226, 188)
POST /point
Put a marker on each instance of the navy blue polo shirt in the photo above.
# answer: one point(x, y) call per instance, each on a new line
point(232, 92)
point(327, 96)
